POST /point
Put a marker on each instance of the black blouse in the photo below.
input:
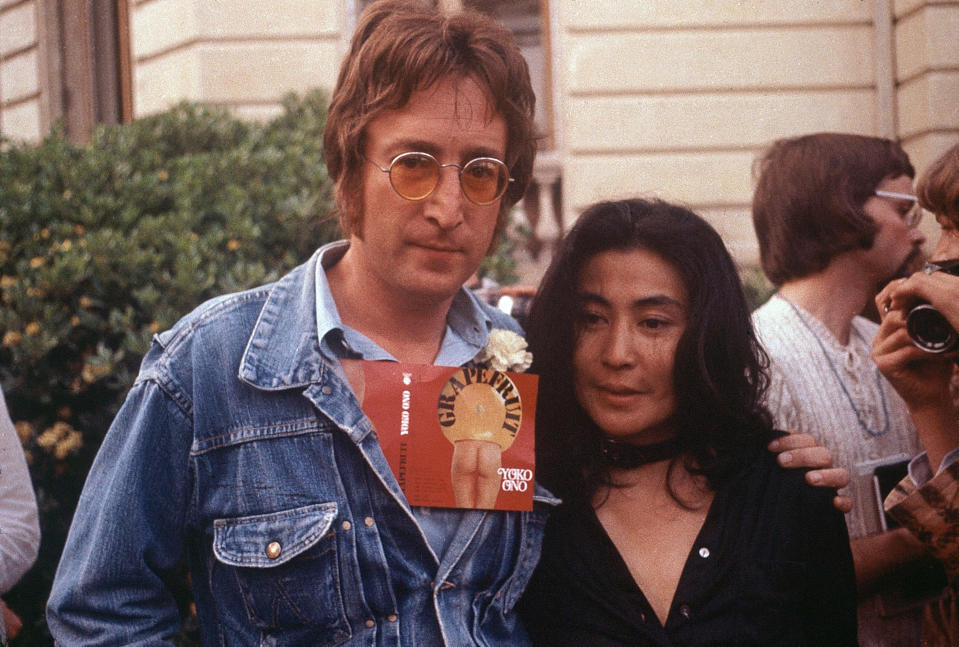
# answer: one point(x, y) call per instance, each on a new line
point(770, 566)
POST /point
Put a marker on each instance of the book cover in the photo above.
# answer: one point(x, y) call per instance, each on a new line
point(454, 437)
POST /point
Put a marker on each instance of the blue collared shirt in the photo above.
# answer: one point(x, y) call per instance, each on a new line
point(467, 325)
point(467, 332)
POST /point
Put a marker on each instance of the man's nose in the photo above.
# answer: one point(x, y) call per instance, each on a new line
point(918, 238)
point(445, 204)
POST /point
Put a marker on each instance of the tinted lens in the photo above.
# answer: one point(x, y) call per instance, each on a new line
point(414, 175)
point(484, 180)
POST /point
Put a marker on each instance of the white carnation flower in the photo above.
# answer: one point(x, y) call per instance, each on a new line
point(505, 351)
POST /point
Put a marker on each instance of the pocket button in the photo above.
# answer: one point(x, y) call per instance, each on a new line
point(273, 549)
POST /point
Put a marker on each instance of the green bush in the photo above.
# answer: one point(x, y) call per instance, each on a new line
point(757, 287)
point(104, 244)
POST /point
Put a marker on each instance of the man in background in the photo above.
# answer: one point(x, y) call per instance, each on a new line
point(835, 216)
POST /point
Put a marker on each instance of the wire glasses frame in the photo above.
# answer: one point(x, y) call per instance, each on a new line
point(414, 176)
point(911, 217)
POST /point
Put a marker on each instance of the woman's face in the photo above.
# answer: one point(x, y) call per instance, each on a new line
point(632, 312)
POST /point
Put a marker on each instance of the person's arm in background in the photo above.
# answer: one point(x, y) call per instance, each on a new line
point(875, 556)
point(19, 521)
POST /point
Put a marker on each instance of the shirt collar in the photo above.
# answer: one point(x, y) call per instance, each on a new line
point(467, 325)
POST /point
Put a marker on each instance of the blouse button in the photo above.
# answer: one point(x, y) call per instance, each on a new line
point(685, 611)
point(704, 552)
point(273, 549)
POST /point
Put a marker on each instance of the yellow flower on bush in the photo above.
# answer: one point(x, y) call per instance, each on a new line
point(85, 302)
point(8, 281)
point(93, 372)
point(52, 435)
point(71, 443)
point(61, 440)
point(12, 338)
point(37, 261)
point(25, 431)
point(33, 328)
point(233, 244)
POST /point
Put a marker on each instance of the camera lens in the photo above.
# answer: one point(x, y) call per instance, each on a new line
point(929, 330)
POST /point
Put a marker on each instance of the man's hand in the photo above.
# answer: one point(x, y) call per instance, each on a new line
point(802, 450)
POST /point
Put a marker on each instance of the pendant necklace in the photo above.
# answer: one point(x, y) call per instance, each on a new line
point(842, 383)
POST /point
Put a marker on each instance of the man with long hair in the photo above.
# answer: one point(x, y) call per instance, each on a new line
point(836, 215)
point(242, 449)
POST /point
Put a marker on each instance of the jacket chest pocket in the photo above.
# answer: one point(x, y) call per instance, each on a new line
point(285, 565)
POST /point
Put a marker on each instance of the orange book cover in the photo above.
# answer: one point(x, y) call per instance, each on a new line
point(454, 437)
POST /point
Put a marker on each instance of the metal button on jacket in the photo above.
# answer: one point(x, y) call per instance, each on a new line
point(273, 549)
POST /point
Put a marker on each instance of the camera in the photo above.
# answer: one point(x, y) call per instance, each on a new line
point(927, 328)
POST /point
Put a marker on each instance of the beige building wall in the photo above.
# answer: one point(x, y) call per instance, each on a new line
point(659, 98)
point(20, 69)
point(243, 54)
point(927, 79)
point(927, 74)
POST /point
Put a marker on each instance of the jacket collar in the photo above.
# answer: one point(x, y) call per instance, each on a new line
point(283, 351)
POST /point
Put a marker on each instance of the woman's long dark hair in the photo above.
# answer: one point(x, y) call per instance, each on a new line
point(720, 368)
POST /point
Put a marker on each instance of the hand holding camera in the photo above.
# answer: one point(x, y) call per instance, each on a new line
point(916, 345)
point(929, 328)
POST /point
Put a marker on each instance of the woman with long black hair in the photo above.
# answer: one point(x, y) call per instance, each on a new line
point(677, 527)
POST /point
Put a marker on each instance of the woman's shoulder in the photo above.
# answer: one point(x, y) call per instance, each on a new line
point(765, 479)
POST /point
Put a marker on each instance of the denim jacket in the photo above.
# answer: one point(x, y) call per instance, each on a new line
point(242, 451)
